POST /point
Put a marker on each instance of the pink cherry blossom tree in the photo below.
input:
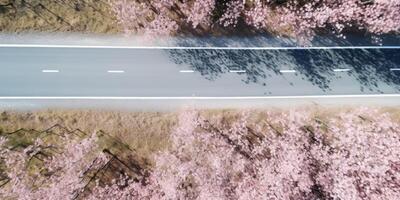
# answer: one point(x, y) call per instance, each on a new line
point(299, 19)
point(64, 170)
point(361, 160)
point(290, 156)
point(378, 17)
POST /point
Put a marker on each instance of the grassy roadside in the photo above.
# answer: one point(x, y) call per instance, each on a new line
point(148, 132)
point(85, 16)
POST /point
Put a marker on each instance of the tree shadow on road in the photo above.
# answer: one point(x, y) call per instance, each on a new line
point(369, 67)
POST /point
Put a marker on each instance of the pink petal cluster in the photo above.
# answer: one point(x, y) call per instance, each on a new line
point(232, 14)
point(200, 12)
point(140, 17)
point(258, 15)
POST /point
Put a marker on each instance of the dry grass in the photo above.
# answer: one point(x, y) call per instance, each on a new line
point(145, 132)
point(261, 117)
point(87, 16)
point(394, 112)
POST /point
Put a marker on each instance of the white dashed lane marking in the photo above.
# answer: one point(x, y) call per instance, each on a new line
point(116, 71)
point(237, 71)
point(341, 70)
point(287, 71)
point(186, 71)
point(50, 71)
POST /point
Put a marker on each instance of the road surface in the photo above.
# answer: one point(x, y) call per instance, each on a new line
point(59, 72)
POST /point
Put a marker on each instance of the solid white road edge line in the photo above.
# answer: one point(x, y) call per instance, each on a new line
point(50, 71)
point(195, 97)
point(189, 48)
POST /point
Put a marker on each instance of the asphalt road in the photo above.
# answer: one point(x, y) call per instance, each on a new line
point(119, 72)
